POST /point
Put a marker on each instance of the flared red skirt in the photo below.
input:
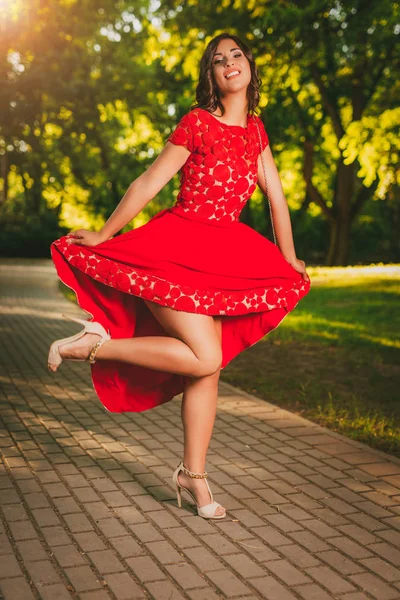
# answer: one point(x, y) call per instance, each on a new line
point(230, 271)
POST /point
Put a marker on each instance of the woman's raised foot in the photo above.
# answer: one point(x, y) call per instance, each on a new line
point(79, 349)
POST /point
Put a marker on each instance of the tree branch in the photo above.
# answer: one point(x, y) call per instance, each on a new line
point(327, 101)
point(312, 191)
point(363, 194)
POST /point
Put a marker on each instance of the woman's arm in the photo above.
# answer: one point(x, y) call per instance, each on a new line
point(280, 211)
point(140, 192)
point(279, 207)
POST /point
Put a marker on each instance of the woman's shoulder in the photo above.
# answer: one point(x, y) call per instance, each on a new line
point(197, 114)
point(257, 118)
point(191, 117)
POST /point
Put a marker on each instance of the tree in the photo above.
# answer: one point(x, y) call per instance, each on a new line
point(328, 66)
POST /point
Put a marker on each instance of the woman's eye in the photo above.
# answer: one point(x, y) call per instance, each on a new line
point(237, 55)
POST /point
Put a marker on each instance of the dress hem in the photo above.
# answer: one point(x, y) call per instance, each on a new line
point(180, 297)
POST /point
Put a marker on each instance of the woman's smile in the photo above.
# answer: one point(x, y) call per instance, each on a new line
point(232, 73)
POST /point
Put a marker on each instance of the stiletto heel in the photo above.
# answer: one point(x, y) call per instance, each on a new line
point(179, 497)
point(55, 359)
point(207, 511)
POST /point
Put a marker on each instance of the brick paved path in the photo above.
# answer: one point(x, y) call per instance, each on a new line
point(88, 510)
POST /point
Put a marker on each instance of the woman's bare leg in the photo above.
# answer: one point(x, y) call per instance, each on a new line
point(191, 346)
point(198, 410)
point(194, 349)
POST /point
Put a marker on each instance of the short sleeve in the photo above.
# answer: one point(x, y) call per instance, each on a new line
point(183, 133)
point(264, 135)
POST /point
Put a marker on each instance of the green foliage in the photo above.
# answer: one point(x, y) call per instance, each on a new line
point(89, 93)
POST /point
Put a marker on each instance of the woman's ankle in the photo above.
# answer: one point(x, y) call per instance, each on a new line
point(194, 466)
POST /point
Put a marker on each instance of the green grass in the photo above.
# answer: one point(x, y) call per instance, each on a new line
point(336, 358)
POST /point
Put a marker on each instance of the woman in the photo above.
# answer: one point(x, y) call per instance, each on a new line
point(173, 301)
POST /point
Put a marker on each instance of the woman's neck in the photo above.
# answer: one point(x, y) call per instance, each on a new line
point(236, 110)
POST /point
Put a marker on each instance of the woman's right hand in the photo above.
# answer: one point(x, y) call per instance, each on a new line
point(299, 266)
point(83, 237)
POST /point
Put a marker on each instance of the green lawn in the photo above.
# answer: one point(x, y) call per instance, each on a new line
point(336, 358)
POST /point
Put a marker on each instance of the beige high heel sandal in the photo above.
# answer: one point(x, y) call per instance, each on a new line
point(55, 359)
point(207, 511)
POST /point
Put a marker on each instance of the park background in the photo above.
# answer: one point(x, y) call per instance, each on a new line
point(90, 91)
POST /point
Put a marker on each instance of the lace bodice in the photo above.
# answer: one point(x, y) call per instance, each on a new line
point(220, 173)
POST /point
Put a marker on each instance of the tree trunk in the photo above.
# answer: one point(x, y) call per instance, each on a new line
point(4, 176)
point(340, 226)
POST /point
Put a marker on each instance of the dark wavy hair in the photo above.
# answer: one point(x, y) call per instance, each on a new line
point(207, 93)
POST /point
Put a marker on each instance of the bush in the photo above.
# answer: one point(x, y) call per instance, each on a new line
point(29, 239)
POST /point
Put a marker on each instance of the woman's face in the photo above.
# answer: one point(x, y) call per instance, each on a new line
point(230, 67)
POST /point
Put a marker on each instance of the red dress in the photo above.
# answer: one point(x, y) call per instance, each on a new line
point(195, 256)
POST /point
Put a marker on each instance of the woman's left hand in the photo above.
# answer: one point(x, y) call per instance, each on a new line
point(299, 266)
point(83, 237)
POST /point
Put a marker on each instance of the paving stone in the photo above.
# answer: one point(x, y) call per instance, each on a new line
point(164, 590)
point(300, 557)
point(9, 566)
point(68, 556)
point(219, 544)
point(330, 580)
point(106, 561)
point(244, 566)
point(126, 546)
point(163, 519)
point(78, 522)
point(270, 588)
point(98, 510)
point(145, 568)
point(89, 541)
point(234, 531)
point(164, 552)
point(181, 537)
point(350, 548)
point(228, 583)
point(387, 552)
point(204, 559)
point(313, 592)
point(186, 576)
point(283, 570)
point(341, 563)
point(111, 528)
point(207, 594)
point(42, 573)
point(124, 586)
point(145, 532)
point(83, 579)
point(309, 541)
point(89, 500)
point(381, 568)
point(5, 546)
point(354, 596)
point(375, 586)
point(86, 494)
point(16, 588)
point(57, 590)
point(14, 512)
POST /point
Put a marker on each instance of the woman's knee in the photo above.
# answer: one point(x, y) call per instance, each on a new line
point(199, 332)
point(211, 364)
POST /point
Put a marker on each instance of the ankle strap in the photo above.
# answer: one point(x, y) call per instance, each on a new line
point(194, 475)
point(92, 355)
